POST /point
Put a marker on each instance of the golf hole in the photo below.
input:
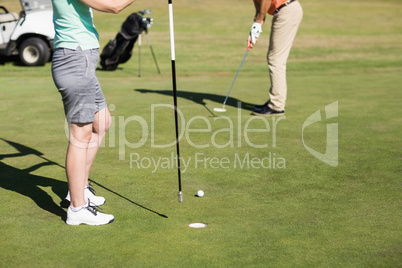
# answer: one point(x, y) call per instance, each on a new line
point(197, 225)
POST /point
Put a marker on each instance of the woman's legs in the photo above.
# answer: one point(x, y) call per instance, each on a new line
point(84, 143)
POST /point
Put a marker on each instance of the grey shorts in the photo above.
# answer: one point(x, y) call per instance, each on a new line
point(74, 75)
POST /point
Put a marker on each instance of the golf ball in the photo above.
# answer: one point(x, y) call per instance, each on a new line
point(200, 193)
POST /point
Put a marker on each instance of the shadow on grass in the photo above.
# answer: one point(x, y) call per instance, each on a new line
point(8, 59)
point(200, 98)
point(132, 202)
point(15, 61)
point(23, 182)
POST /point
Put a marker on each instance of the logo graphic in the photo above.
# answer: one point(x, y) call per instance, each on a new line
point(330, 156)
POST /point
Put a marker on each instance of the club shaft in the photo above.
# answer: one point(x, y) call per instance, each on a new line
point(234, 80)
point(172, 54)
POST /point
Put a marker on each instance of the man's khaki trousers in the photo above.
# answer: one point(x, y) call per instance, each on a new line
point(283, 31)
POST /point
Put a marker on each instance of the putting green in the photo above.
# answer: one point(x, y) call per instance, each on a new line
point(271, 199)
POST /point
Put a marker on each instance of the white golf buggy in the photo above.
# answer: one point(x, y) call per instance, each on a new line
point(30, 34)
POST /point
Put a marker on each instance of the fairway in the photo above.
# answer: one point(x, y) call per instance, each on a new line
point(318, 187)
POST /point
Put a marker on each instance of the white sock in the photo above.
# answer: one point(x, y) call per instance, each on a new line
point(74, 209)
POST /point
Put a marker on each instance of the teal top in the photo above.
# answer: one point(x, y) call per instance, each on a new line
point(73, 24)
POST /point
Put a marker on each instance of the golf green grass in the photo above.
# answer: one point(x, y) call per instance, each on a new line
point(268, 201)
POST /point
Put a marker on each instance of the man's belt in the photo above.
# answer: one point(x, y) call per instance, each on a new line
point(283, 5)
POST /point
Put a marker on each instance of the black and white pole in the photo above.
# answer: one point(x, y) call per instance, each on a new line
point(173, 58)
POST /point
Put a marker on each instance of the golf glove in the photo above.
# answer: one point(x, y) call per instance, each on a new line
point(255, 32)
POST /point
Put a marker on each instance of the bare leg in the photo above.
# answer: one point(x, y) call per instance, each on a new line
point(100, 126)
point(85, 140)
point(79, 141)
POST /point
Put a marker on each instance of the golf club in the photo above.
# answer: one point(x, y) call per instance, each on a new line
point(224, 102)
point(145, 11)
point(173, 57)
point(148, 22)
point(142, 12)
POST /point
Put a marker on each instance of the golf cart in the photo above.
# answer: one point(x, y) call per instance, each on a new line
point(30, 34)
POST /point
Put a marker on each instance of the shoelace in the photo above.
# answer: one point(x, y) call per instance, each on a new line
point(94, 209)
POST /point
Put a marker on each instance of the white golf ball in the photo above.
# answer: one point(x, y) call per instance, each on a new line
point(200, 193)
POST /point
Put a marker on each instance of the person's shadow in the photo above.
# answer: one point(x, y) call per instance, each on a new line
point(23, 182)
point(199, 98)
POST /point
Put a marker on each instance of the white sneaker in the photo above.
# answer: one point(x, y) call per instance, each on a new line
point(88, 214)
point(89, 193)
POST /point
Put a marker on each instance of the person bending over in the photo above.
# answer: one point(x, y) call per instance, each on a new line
point(287, 16)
